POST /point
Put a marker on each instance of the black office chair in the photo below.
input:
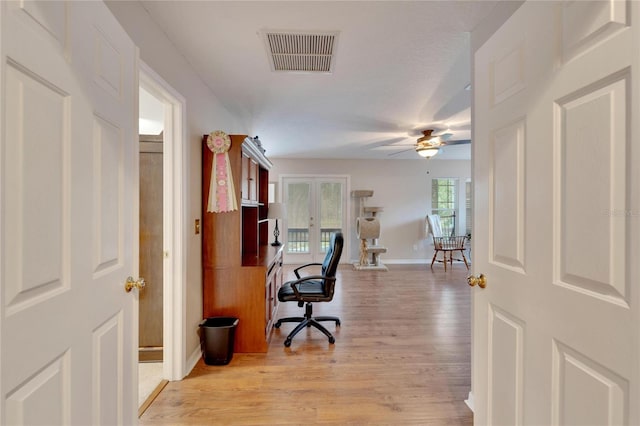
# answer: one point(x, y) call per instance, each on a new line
point(313, 288)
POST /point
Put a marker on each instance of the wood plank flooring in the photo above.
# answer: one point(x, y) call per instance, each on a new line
point(402, 356)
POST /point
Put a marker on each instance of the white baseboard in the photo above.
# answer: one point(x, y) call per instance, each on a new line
point(469, 401)
point(398, 261)
point(406, 261)
point(193, 360)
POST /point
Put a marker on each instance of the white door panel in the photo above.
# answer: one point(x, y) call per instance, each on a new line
point(556, 232)
point(69, 178)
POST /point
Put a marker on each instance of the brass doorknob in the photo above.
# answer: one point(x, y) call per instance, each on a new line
point(131, 284)
point(480, 280)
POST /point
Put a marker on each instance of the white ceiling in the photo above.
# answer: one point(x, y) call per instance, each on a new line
point(400, 67)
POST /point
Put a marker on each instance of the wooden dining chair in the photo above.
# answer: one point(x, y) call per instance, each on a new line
point(445, 244)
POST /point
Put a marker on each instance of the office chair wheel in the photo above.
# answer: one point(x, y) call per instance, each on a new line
point(287, 342)
point(332, 340)
point(338, 323)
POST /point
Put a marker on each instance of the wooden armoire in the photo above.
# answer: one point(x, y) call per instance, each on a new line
point(242, 272)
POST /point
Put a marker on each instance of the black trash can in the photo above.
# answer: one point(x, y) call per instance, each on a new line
point(217, 335)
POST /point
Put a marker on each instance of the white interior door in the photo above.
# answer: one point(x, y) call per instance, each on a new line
point(69, 185)
point(316, 208)
point(556, 221)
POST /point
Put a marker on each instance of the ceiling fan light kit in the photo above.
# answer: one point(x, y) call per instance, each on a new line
point(427, 151)
point(429, 144)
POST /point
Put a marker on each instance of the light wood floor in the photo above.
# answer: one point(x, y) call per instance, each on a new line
point(402, 356)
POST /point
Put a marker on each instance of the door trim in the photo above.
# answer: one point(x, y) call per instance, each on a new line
point(174, 193)
point(347, 219)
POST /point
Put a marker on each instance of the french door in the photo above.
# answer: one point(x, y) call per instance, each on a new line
point(316, 208)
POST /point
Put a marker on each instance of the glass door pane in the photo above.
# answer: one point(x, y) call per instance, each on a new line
point(298, 202)
point(331, 212)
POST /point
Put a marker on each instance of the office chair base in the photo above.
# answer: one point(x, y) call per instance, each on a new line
point(308, 321)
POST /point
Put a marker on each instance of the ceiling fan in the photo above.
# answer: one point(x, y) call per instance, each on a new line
point(429, 144)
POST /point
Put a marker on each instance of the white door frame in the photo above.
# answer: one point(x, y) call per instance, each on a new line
point(347, 206)
point(174, 237)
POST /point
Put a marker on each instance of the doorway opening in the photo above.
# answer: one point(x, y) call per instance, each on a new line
point(150, 314)
point(162, 237)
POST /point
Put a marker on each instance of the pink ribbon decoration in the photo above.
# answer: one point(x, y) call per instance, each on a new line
point(222, 194)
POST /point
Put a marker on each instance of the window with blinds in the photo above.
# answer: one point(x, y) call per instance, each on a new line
point(444, 201)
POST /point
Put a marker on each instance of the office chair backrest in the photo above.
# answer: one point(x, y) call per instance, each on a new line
point(434, 225)
point(331, 260)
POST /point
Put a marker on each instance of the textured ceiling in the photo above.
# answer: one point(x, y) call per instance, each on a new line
point(400, 67)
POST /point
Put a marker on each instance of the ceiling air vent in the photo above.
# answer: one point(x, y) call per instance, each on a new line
point(301, 52)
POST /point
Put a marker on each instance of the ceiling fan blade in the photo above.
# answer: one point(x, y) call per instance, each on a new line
point(457, 142)
point(384, 143)
point(445, 136)
point(399, 152)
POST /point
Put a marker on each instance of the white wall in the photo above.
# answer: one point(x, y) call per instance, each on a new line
point(402, 187)
point(204, 113)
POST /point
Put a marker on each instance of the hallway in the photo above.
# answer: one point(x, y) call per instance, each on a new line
point(402, 356)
